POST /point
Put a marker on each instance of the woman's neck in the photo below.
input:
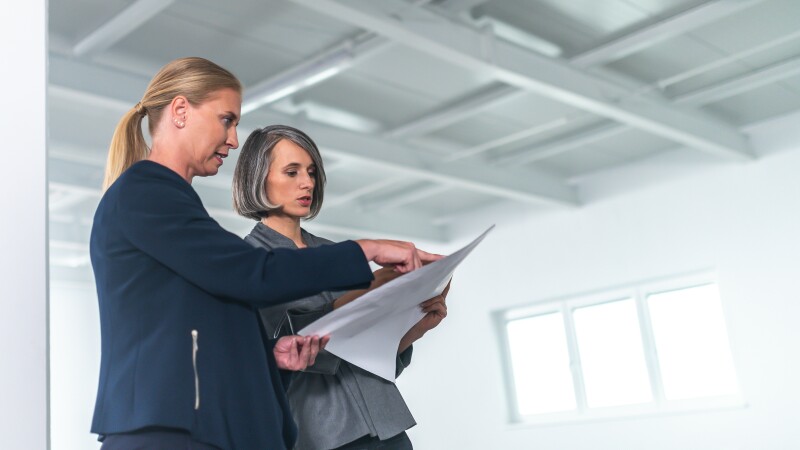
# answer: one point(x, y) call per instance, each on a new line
point(170, 161)
point(287, 226)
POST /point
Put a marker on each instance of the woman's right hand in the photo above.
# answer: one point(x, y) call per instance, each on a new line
point(298, 352)
point(403, 256)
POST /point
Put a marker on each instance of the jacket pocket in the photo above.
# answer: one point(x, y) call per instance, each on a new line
point(194, 366)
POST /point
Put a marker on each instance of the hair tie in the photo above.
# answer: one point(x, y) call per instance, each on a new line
point(140, 109)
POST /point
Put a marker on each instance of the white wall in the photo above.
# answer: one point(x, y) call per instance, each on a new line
point(23, 235)
point(74, 364)
point(743, 220)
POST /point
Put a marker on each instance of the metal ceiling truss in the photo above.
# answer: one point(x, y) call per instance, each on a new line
point(518, 71)
point(428, 32)
point(670, 27)
point(119, 26)
point(700, 97)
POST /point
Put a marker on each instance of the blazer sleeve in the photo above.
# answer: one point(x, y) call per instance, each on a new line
point(168, 222)
point(403, 360)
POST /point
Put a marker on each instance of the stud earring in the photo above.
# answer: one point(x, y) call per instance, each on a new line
point(179, 123)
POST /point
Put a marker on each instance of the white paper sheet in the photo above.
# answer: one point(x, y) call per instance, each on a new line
point(367, 331)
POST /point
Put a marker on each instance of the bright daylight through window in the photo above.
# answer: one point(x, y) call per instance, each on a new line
point(648, 348)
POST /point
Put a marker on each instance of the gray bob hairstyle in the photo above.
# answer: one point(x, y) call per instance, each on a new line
point(250, 176)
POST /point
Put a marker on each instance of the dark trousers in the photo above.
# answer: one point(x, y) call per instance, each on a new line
point(154, 439)
point(399, 442)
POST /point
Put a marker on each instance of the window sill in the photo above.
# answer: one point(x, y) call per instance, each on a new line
point(650, 410)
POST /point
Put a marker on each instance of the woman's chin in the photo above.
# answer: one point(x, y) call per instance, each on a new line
point(289, 214)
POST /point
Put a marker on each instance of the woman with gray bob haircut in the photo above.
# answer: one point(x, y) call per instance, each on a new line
point(279, 181)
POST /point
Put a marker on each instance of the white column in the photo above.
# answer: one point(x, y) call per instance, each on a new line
point(23, 228)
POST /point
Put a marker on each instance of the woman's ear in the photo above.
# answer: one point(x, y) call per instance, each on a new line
point(179, 107)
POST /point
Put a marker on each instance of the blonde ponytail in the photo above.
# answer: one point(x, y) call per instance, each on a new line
point(127, 146)
point(194, 78)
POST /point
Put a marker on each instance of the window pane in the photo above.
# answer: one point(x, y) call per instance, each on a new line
point(692, 343)
point(540, 362)
point(612, 358)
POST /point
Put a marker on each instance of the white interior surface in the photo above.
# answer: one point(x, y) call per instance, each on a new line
point(739, 221)
point(23, 230)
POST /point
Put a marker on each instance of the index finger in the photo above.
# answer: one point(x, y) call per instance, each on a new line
point(426, 257)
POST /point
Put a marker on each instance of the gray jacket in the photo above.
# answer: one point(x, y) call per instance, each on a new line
point(333, 402)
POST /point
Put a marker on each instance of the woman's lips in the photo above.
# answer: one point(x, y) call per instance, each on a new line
point(304, 201)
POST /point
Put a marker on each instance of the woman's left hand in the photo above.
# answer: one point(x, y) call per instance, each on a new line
point(298, 352)
point(435, 310)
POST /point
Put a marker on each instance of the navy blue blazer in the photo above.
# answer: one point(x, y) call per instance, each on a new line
point(182, 346)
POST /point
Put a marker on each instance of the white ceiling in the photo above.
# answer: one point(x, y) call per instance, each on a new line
point(439, 108)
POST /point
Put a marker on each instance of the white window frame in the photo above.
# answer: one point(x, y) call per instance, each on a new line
point(639, 293)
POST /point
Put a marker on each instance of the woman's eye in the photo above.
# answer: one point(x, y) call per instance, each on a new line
point(291, 174)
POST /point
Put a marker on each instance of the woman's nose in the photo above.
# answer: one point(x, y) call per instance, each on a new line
point(233, 138)
point(307, 181)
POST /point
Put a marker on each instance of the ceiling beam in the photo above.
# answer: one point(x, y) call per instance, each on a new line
point(525, 186)
point(658, 32)
point(96, 86)
point(86, 98)
point(700, 97)
point(120, 26)
point(741, 84)
point(732, 58)
point(355, 194)
point(525, 133)
point(456, 110)
point(404, 198)
point(537, 188)
point(458, 6)
point(84, 191)
point(312, 70)
point(558, 146)
point(328, 114)
point(430, 33)
point(69, 196)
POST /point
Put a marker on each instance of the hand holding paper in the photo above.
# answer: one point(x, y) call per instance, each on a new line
point(382, 276)
point(435, 310)
point(367, 331)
